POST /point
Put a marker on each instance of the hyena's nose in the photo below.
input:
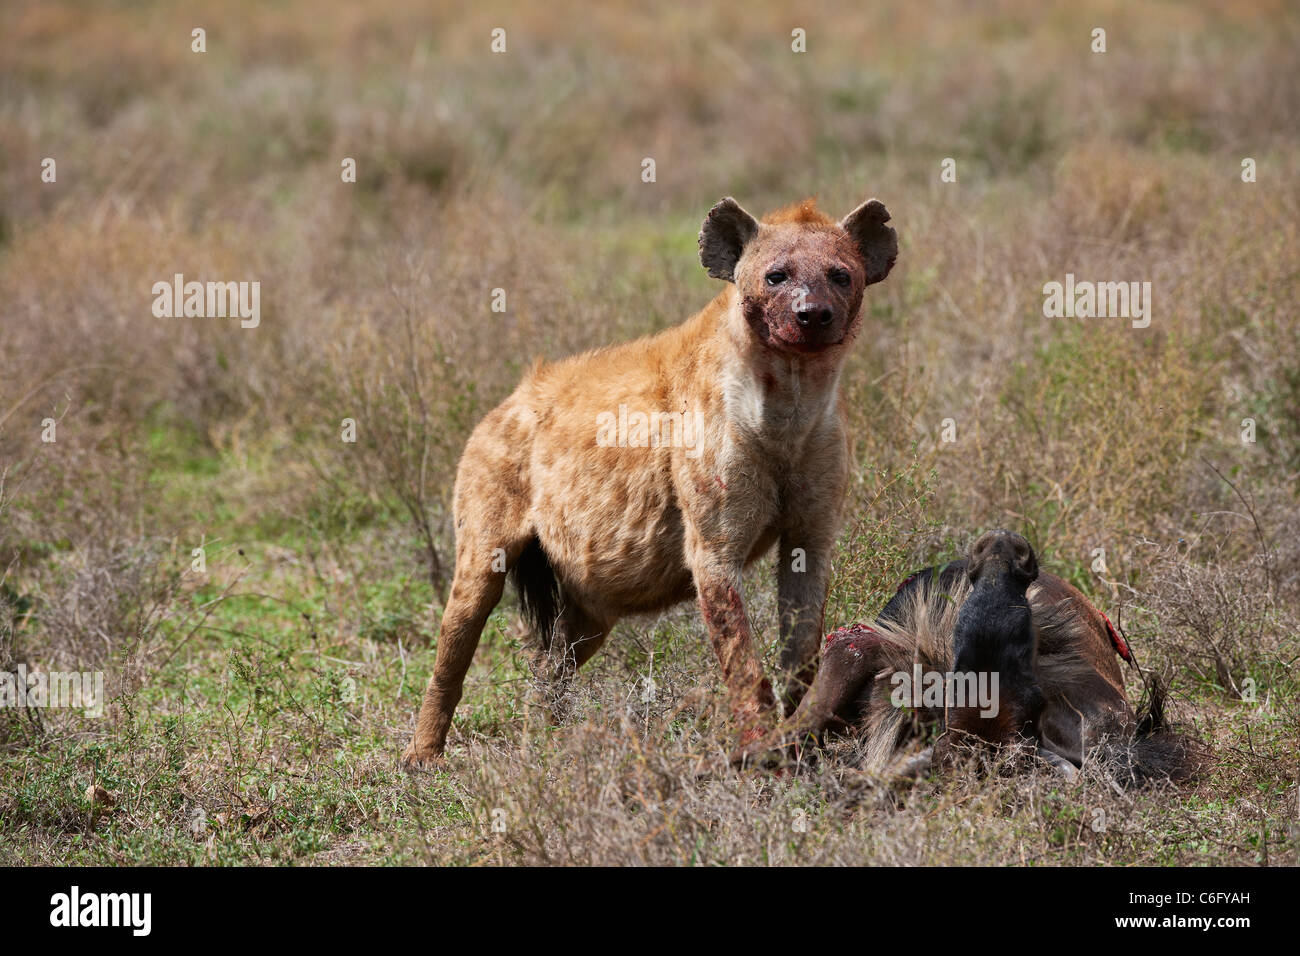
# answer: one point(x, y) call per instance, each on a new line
point(821, 313)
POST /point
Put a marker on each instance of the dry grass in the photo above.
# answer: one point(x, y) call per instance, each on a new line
point(256, 709)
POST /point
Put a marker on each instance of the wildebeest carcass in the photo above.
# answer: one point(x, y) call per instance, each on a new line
point(988, 650)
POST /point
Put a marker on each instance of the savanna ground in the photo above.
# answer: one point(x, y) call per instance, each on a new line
point(257, 708)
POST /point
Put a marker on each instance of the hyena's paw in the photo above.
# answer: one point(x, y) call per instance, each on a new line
point(416, 758)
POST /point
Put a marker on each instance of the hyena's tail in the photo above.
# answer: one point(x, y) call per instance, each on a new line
point(539, 591)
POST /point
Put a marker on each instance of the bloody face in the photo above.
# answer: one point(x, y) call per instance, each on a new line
point(801, 288)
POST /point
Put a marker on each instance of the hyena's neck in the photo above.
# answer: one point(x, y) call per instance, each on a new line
point(775, 394)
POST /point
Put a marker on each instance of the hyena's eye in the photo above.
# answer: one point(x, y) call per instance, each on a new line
point(775, 277)
point(841, 277)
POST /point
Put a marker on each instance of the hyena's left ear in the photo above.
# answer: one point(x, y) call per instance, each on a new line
point(727, 228)
point(877, 242)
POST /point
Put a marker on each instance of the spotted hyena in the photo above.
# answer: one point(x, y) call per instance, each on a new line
point(596, 514)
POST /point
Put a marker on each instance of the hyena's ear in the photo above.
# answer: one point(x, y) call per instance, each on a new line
point(727, 228)
point(877, 242)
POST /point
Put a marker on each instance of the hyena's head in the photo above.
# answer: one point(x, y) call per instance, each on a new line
point(800, 274)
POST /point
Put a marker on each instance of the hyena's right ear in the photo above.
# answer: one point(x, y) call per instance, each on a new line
point(727, 228)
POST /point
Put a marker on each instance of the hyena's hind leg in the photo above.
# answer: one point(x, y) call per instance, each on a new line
point(483, 556)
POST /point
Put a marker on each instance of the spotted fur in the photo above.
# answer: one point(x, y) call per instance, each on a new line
point(594, 532)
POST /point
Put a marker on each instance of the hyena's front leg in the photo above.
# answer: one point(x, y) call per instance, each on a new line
point(722, 604)
point(803, 573)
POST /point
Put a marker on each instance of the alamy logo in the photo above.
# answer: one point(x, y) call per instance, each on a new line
point(53, 689)
point(938, 689)
point(208, 300)
point(653, 430)
point(1102, 300)
point(103, 909)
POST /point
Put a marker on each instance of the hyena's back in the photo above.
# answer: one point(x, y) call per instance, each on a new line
point(604, 515)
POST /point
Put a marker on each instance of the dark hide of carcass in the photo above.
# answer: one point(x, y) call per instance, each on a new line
point(995, 621)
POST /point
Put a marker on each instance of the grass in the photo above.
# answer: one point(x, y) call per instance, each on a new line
point(269, 734)
point(256, 709)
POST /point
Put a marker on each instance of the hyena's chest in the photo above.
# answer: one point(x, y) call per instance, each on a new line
point(624, 517)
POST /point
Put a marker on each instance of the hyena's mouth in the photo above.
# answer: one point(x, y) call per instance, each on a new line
point(802, 345)
point(784, 334)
